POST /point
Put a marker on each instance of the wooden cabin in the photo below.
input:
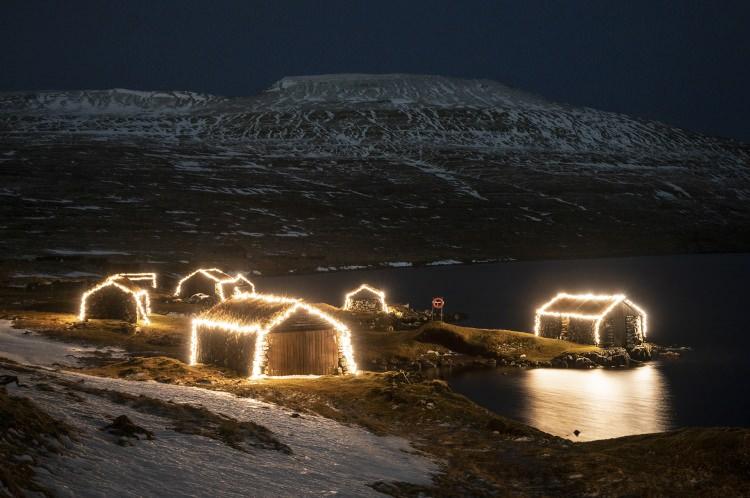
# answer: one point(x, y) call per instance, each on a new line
point(261, 335)
point(603, 320)
point(116, 298)
point(365, 299)
point(212, 282)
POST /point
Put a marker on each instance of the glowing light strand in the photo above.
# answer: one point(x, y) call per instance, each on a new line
point(137, 277)
point(140, 296)
point(219, 283)
point(262, 330)
point(615, 299)
point(348, 301)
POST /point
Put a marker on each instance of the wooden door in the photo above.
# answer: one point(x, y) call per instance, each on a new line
point(302, 352)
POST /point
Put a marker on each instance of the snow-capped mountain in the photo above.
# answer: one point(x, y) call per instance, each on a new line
point(359, 169)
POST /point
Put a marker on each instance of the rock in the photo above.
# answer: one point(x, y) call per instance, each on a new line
point(669, 355)
point(640, 353)
point(620, 360)
point(198, 298)
point(125, 429)
point(583, 362)
point(558, 363)
point(8, 379)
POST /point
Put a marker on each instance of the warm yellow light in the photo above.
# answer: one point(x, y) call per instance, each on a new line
point(263, 329)
point(141, 297)
point(598, 318)
point(348, 301)
point(139, 276)
point(219, 283)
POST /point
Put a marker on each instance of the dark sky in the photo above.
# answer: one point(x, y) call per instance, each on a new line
point(683, 62)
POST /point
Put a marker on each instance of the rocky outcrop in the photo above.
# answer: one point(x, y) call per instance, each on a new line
point(607, 358)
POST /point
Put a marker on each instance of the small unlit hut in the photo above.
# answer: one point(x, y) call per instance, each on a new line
point(212, 282)
point(365, 299)
point(603, 320)
point(116, 298)
point(261, 335)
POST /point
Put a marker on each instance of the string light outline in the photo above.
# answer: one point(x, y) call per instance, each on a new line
point(348, 301)
point(141, 297)
point(138, 276)
point(598, 318)
point(218, 282)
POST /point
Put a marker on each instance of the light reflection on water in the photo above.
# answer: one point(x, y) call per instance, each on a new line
point(599, 403)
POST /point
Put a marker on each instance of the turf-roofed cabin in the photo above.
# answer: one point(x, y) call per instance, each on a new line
point(116, 298)
point(603, 320)
point(292, 338)
point(212, 282)
point(365, 299)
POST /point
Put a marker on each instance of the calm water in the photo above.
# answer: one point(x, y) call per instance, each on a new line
point(699, 301)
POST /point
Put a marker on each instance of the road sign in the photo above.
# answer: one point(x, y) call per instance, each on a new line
point(438, 303)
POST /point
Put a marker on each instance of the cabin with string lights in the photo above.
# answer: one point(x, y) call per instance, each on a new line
point(602, 320)
point(116, 298)
point(212, 282)
point(365, 299)
point(262, 335)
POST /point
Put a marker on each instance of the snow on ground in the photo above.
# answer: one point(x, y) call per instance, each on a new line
point(444, 262)
point(29, 348)
point(328, 458)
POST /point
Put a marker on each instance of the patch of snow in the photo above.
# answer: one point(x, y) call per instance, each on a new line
point(86, 208)
point(678, 189)
point(444, 262)
point(28, 348)
point(397, 264)
point(92, 252)
point(292, 233)
point(664, 195)
point(328, 458)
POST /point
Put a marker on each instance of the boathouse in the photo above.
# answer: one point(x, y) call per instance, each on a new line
point(212, 282)
point(262, 335)
point(603, 320)
point(365, 299)
point(116, 298)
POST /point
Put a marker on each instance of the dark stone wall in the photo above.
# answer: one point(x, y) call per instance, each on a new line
point(112, 303)
point(226, 349)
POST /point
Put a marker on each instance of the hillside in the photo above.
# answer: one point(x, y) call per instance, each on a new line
point(353, 170)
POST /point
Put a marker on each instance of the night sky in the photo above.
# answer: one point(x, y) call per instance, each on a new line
point(683, 62)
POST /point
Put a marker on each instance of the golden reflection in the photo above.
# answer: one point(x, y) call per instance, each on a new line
point(599, 403)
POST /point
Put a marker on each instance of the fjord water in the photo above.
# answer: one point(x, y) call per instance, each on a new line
point(699, 301)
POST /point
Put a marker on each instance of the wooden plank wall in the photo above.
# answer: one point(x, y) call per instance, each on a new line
point(308, 352)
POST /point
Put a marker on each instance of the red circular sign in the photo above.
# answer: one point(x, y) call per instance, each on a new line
point(438, 302)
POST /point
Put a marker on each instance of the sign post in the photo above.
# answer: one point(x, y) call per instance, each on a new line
point(437, 308)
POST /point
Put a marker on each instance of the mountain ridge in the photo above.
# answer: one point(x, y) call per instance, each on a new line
point(329, 170)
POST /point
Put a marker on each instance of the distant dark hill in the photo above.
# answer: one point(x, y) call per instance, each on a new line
point(339, 170)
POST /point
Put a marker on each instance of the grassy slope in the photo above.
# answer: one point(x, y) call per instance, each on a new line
point(496, 343)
